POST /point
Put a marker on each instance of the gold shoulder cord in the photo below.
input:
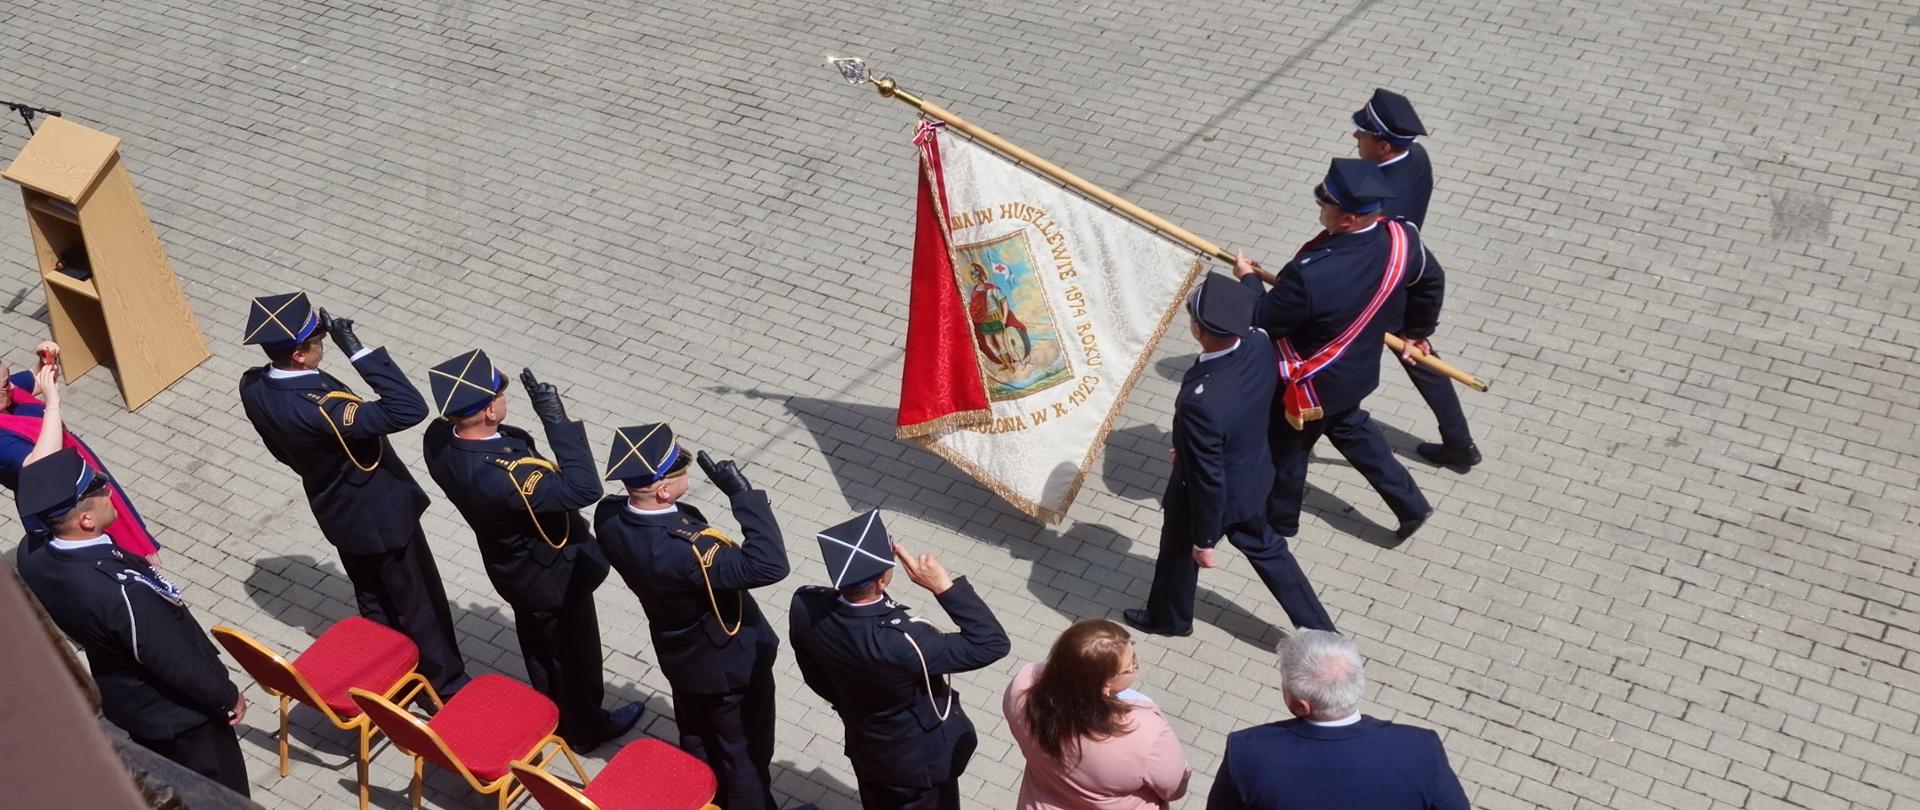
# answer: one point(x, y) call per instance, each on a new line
point(706, 562)
point(379, 451)
point(543, 464)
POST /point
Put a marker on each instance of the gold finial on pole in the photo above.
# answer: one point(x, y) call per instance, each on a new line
point(856, 72)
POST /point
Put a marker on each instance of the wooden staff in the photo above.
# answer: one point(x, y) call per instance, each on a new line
point(890, 89)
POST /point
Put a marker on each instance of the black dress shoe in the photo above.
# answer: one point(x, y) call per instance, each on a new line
point(1461, 458)
point(618, 723)
point(1408, 527)
point(1143, 622)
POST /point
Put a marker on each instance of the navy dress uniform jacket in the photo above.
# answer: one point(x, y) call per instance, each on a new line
point(1222, 465)
point(306, 420)
point(158, 672)
point(655, 554)
point(1411, 178)
point(1369, 765)
point(495, 498)
point(1327, 286)
point(858, 660)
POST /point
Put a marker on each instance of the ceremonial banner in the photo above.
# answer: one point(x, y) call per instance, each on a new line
point(1033, 311)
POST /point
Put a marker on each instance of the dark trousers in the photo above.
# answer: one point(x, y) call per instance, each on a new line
point(877, 796)
point(733, 733)
point(562, 651)
point(1354, 434)
point(1437, 389)
point(210, 749)
point(1176, 575)
point(402, 590)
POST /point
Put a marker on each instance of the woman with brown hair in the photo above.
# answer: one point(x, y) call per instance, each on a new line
point(1091, 742)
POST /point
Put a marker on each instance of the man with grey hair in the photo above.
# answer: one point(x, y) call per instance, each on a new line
point(1329, 754)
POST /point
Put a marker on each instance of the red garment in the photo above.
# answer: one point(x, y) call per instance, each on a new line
point(129, 533)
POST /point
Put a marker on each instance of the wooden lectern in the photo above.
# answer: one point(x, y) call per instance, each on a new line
point(111, 296)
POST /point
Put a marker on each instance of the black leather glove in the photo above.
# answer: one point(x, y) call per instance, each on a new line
point(342, 331)
point(544, 397)
point(725, 475)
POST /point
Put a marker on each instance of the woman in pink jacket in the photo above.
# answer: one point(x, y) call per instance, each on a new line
point(1091, 742)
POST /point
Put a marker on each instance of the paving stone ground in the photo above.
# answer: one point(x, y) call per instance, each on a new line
point(1679, 238)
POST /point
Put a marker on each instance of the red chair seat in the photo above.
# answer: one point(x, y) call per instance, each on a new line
point(652, 775)
point(356, 653)
point(492, 722)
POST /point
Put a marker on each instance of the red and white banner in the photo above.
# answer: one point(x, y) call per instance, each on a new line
point(1033, 311)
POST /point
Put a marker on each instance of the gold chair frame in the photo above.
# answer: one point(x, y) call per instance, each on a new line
point(405, 692)
point(508, 788)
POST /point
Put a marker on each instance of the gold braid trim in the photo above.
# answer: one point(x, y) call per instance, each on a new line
point(378, 453)
point(541, 463)
point(706, 561)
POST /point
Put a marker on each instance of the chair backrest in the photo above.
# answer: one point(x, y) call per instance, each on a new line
point(409, 732)
point(269, 669)
point(549, 791)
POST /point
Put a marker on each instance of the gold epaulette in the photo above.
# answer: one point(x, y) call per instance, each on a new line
point(541, 468)
point(346, 419)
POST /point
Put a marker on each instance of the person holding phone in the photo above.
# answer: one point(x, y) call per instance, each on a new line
point(32, 427)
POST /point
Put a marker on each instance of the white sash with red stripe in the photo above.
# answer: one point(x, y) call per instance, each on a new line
point(1297, 373)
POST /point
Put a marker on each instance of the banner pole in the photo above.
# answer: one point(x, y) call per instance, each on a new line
point(890, 89)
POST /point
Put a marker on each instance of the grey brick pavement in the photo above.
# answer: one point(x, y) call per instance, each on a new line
point(1679, 237)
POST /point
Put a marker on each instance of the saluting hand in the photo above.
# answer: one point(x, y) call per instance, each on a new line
point(925, 570)
point(342, 331)
point(544, 397)
point(725, 474)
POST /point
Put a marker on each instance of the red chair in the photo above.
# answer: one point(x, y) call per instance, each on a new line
point(353, 654)
point(646, 775)
point(494, 723)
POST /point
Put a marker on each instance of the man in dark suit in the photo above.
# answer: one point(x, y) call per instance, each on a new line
point(537, 549)
point(365, 500)
point(1328, 311)
point(1329, 754)
point(1222, 467)
point(714, 645)
point(883, 670)
point(1384, 132)
point(159, 676)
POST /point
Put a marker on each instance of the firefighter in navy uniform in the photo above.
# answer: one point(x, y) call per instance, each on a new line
point(713, 643)
point(535, 546)
point(1384, 132)
point(159, 677)
point(1222, 468)
point(366, 502)
point(884, 670)
point(1361, 278)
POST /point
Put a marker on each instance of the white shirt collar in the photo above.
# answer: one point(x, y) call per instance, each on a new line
point(1205, 356)
point(1344, 721)
point(76, 545)
point(671, 508)
point(1397, 158)
point(1376, 224)
point(279, 374)
point(876, 600)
